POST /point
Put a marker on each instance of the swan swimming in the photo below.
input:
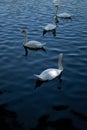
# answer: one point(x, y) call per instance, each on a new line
point(51, 27)
point(51, 73)
point(31, 44)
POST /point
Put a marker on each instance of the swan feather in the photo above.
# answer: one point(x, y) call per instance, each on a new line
point(34, 44)
point(50, 27)
point(48, 74)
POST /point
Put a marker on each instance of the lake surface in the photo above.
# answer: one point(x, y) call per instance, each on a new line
point(57, 104)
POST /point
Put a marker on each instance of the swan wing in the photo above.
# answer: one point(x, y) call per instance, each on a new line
point(50, 27)
point(34, 44)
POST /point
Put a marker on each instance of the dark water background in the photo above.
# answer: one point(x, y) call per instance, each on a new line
point(45, 107)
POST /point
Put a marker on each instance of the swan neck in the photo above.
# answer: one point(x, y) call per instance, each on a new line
point(60, 67)
point(54, 21)
point(25, 38)
point(57, 10)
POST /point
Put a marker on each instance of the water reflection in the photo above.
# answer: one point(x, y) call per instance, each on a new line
point(80, 115)
point(61, 107)
point(53, 32)
point(8, 120)
point(60, 81)
point(36, 49)
point(39, 83)
point(60, 124)
point(42, 123)
point(1, 92)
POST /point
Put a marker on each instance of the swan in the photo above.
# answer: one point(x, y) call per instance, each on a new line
point(31, 44)
point(51, 73)
point(51, 27)
point(64, 15)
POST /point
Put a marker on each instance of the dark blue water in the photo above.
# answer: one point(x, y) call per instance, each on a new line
point(24, 104)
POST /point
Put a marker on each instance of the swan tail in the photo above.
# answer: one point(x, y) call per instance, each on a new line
point(38, 76)
point(43, 44)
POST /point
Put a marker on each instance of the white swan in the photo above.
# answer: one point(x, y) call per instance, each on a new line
point(51, 73)
point(51, 27)
point(31, 44)
point(64, 15)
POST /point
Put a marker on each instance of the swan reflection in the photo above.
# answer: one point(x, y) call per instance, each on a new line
point(35, 49)
point(39, 83)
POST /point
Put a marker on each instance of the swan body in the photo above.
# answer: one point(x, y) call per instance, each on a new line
point(48, 74)
point(34, 44)
point(51, 73)
point(50, 27)
point(64, 15)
